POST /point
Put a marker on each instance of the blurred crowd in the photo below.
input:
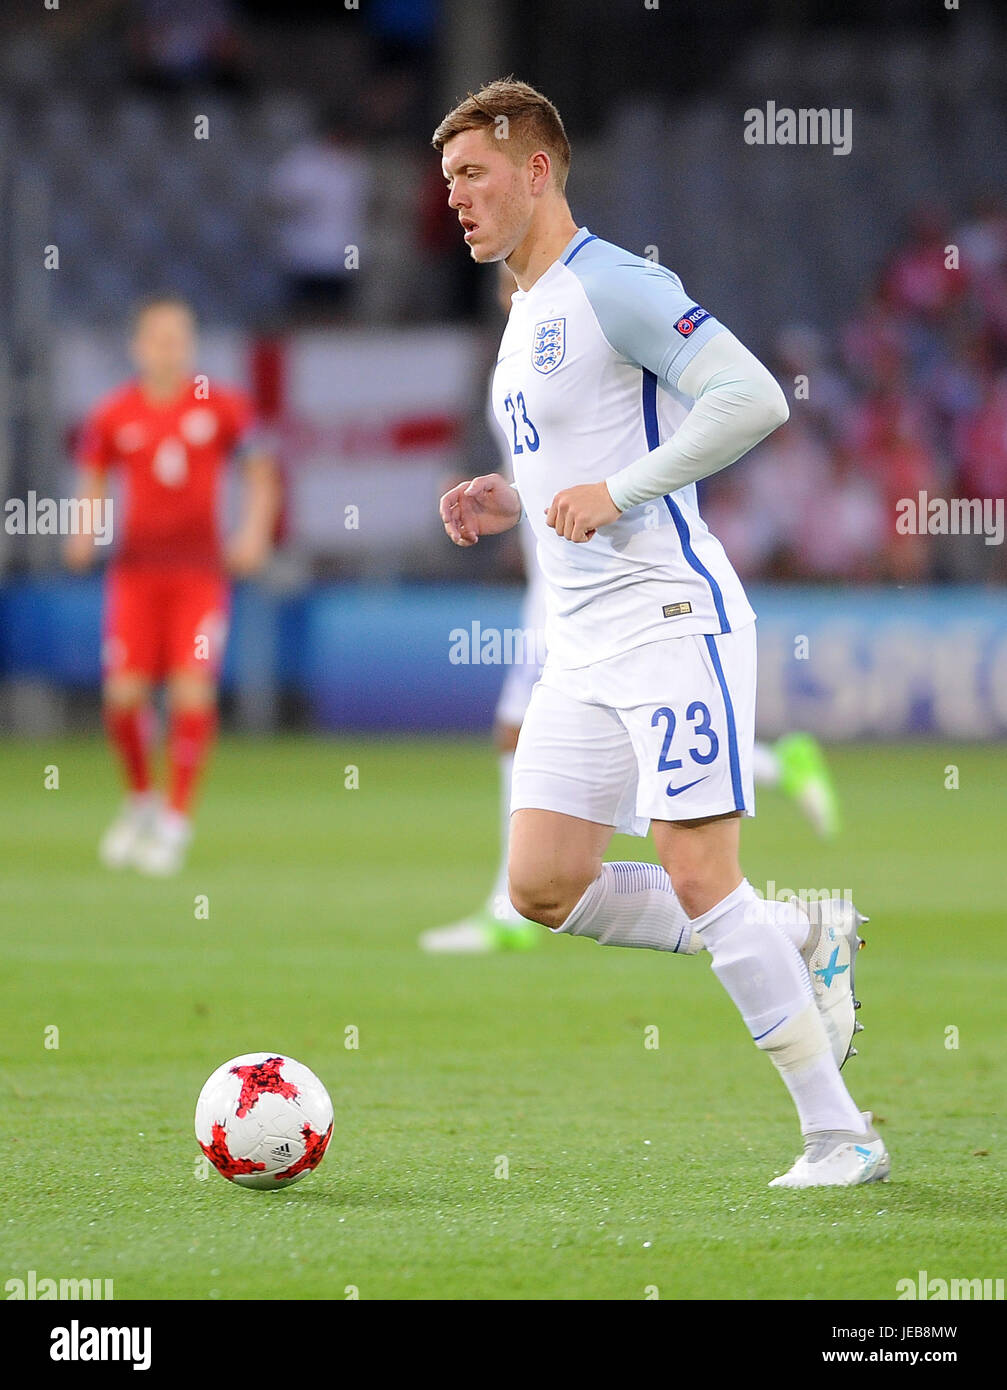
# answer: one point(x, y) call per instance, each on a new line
point(908, 397)
point(314, 204)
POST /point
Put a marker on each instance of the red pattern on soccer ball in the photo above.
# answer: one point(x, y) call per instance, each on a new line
point(223, 1160)
point(315, 1145)
point(257, 1079)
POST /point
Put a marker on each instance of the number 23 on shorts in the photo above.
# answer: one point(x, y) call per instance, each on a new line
point(702, 752)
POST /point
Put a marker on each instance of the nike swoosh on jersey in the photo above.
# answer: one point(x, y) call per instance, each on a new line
point(676, 791)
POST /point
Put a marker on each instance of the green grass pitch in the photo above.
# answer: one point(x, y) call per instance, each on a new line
point(629, 1169)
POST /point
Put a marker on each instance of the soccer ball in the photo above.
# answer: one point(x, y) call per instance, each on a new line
point(263, 1120)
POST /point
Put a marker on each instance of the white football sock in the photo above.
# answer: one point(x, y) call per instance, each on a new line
point(821, 1102)
point(792, 920)
point(142, 804)
point(499, 904)
point(760, 967)
point(633, 904)
point(765, 765)
point(173, 826)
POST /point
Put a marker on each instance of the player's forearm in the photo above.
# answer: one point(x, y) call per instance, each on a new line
point(737, 402)
point(262, 500)
point(90, 487)
point(79, 548)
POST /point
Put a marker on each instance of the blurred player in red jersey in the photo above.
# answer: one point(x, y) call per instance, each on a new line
point(170, 435)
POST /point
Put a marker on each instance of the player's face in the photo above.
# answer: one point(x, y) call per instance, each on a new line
point(489, 192)
point(164, 343)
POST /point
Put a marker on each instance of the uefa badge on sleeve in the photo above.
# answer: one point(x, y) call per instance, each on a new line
point(691, 320)
point(548, 347)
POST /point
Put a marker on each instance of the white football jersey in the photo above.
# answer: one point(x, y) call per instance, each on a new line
point(586, 381)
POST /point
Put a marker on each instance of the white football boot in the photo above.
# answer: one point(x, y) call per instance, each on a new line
point(839, 1158)
point(118, 846)
point(829, 953)
point(161, 853)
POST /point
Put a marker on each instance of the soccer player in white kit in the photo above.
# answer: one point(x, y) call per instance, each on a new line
point(795, 763)
point(618, 393)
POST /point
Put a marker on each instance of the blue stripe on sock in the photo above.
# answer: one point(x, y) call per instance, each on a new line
point(770, 1030)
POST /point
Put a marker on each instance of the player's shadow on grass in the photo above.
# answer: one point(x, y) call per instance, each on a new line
point(363, 1197)
point(910, 1197)
point(418, 1195)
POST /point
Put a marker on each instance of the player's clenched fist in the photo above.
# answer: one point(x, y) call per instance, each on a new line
point(484, 507)
point(577, 512)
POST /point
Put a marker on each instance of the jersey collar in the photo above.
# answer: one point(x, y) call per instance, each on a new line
point(580, 238)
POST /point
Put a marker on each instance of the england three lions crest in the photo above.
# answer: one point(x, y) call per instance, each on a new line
point(548, 346)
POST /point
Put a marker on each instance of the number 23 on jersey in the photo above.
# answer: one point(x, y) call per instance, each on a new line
point(525, 433)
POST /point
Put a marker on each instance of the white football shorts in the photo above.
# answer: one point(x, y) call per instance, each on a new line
point(663, 732)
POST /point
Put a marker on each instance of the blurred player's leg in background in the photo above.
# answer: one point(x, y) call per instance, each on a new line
point(129, 724)
point(192, 727)
point(796, 764)
point(496, 925)
point(132, 624)
point(197, 628)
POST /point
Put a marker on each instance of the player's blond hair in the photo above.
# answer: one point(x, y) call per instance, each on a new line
point(532, 123)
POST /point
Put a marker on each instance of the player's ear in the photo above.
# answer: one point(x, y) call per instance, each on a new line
point(540, 168)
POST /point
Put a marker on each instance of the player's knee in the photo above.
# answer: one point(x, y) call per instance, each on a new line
point(191, 691)
point(539, 907)
point(548, 901)
point(125, 691)
point(696, 889)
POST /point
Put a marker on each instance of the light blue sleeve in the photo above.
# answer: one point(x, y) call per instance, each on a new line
point(644, 312)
